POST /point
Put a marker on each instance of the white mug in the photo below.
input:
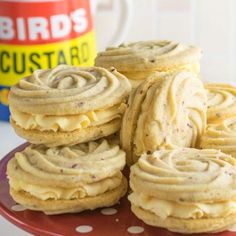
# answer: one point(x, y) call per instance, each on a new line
point(124, 20)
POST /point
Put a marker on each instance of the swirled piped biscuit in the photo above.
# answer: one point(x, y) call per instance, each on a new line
point(165, 111)
point(221, 135)
point(67, 179)
point(185, 190)
point(221, 118)
point(138, 60)
point(221, 101)
point(68, 105)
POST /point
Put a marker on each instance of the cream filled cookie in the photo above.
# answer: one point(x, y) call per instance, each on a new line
point(138, 60)
point(221, 118)
point(221, 101)
point(185, 190)
point(165, 111)
point(221, 135)
point(68, 105)
point(67, 179)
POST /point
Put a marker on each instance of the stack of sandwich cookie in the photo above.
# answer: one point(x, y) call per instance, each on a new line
point(185, 190)
point(68, 105)
point(65, 112)
point(139, 60)
point(221, 119)
point(167, 110)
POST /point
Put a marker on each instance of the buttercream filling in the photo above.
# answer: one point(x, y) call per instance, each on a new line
point(185, 210)
point(66, 122)
point(86, 190)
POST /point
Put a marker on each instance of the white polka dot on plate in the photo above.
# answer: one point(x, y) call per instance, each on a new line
point(135, 229)
point(84, 229)
point(18, 207)
point(109, 211)
point(232, 228)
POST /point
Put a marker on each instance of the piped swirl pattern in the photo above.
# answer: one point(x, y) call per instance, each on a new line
point(139, 56)
point(69, 90)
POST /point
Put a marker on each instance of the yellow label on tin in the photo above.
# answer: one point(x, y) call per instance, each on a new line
point(17, 61)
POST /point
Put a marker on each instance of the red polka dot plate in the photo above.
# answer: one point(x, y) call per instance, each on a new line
point(116, 221)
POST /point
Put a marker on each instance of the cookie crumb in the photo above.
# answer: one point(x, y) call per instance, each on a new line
point(112, 69)
point(74, 165)
point(189, 125)
point(93, 176)
point(81, 104)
